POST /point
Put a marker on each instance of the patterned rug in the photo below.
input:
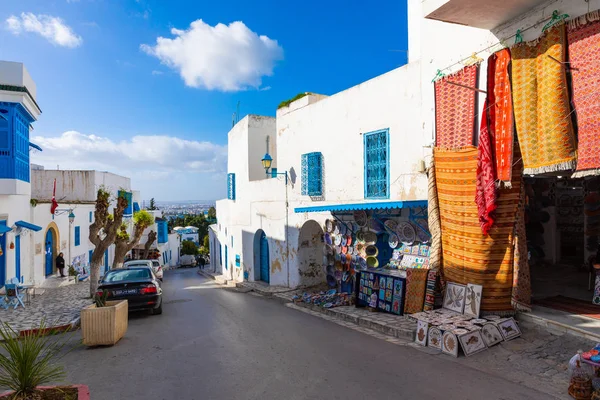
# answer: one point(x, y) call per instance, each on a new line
point(541, 103)
point(501, 121)
point(468, 255)
point(583, 35)
point(455, 109)
point(429, 303)
point(433, 219)
point(416, 281)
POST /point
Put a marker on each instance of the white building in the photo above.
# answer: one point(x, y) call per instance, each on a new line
point(189, 233)
point(268, 222)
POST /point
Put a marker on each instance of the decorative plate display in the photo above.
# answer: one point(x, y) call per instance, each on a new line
point(328, 225)
point(370, 238)
point(446, 327)
point(406, 233)
point(336, 228)
point(350, 228)
point(337, 240)
point(421, 336)
point(348, 240)
point(434, 339)
point(363, 263)
point(328, 249)
point(391, 225)
point(356, 251)
point(360, 217)
point(348, 258)
point(344, 249)
point(450, 344)
point(372, 262)
point(350, 250)
point(360, 238)
point(338, 275)
point(460, 331)
point(371, 251)
point(509, 329)
point(330, 269)
point(423, 230)
point(491, 334)
point(342, 228)
point(472, 342)
point(331, 281)
point(454, 298)
point(479, 321)
point(393, 241)
point(327, 305)
point(376, 226)
point(330, 258)
point(328, 239)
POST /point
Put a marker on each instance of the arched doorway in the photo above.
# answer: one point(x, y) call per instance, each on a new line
point(310, 254)
point(261, 257)
point(51, 248)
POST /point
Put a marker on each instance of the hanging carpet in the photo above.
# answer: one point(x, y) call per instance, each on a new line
point(455, 109)
point(433, 219)
point(541, 103)
point(583, 35)
point(469, 256)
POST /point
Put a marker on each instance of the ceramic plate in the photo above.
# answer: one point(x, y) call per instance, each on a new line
point(393, 241)
point(327, 238)
point(342, 228)
point(337, 240)
point(478, 321)
point(360, 217)
point(391, 225)
point(460, 331)
point(406, 233)
point(328, 226)
point(370, 238)
point(372, 251)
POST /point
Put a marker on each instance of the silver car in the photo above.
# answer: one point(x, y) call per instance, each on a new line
point(154, 264)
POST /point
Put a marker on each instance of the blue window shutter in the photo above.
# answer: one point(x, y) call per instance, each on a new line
point(91, 216)
point(163, 234)
point(136, 207)
point(377, 163)
point(312, 174)
point(231, 186)
point(14, 142)
point(237, 260)
point(90, 253)
point(77, 235)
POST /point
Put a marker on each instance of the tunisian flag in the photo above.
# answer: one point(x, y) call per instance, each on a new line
point(54, 205)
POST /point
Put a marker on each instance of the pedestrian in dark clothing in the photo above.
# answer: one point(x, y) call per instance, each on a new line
point(60, 264)
point(201, 262)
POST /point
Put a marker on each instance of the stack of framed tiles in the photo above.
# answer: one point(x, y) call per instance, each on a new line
point(383, 291)
point(458, 324)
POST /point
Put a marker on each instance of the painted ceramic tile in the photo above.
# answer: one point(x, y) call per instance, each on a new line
point(396, 306)
point(415, 250)
point(454, 299)
point(509, 329)
point(388, 295)
point(450, 344)
point(473, 300)
point(381, 294)
point(434, 339)
point(421, 336)
point(491, 334)
point(373, 302)
point(389, 284)
point(387, 308)
point(382, 282)
point(472, 343)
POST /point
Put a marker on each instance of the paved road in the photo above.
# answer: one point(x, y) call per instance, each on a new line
point(213, 343)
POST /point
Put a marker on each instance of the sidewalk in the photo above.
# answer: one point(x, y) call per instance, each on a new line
point(58, 307)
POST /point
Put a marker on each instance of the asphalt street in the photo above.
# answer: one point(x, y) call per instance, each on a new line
point(215, 343)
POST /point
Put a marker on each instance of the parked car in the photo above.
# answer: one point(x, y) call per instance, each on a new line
point(154, 264)
point(187, 261)
point(138, 285)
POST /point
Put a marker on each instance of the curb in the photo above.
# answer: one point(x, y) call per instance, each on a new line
point(555, 327)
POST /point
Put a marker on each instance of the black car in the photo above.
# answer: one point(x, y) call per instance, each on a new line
point(139, 286)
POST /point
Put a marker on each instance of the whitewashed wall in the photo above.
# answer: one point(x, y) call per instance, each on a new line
point(75, 186)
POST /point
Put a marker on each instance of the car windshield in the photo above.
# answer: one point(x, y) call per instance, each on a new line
point(138, 264)
point(127, 275)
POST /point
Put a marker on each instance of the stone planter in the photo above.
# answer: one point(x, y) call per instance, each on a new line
point(106, 325)
point(83, 392)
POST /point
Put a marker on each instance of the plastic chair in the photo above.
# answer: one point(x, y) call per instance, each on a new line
point(13, 296)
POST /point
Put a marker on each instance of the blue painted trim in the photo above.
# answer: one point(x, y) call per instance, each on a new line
point(77, 235)
point(18, 257)
point(4, 229)
point(91, 216)
point(35, 146)
point(387, 142)
point(364, 206)
point(27, 225)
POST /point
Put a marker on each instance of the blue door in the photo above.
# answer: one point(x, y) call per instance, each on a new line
point(264, 258)
point(3, 256)
point(106, 268)
point(226, 258)
point(18, 258)
point(49, 253)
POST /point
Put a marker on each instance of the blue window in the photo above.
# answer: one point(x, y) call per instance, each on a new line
point(231, 186)
point(237, 260)
point(377, 164)
point(129, 197)
point(312, 174)
point(220, 254)
point(162, 231)
point(77, 235)
point(91, 216)
point(14, 142)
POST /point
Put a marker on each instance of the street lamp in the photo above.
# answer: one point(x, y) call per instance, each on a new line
point(267, 161)
point(71, 217)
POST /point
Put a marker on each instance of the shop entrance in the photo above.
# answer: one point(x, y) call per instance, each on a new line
point(563, 224)
point(310, 254)
point(261, 257)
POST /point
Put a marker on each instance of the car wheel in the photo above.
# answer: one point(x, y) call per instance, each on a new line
point(157, 311)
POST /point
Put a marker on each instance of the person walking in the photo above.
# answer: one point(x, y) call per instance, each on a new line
point(60, 264)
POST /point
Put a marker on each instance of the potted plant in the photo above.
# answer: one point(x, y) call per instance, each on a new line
point(27, 363)
point(104, 322)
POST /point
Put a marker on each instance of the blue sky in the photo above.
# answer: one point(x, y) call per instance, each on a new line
point(113, 98)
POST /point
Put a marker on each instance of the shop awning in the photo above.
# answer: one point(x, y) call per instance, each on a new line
point(27, 225)
point(35, 146)
point(4, 229)
point(364, 206)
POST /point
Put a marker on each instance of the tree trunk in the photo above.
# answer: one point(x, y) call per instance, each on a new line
point(121, 250)
point(96, 264)
point(151, 238)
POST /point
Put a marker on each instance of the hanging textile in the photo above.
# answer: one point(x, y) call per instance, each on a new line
point(583, 35)
point(468, 256)
point(541, 103)
point(485, 196)
point(455, 109)
point(416, 282)
point(433, 219)
point(501, 121)
point(429, 303)
point(521, 291)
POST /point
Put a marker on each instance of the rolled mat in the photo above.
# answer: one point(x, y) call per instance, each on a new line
point(541, 103)
point(583, 35)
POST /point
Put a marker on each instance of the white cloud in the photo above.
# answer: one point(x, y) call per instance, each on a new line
point(222, 57)
point(51, 28)
point(140, 155)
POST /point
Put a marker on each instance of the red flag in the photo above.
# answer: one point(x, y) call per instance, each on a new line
point(54, 205)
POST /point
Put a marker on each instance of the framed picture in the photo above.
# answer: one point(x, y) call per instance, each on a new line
point(491, 334)
point(389, 283)
point(509, 329)
point(473, 300)
point(434, 338)
point(472, 343)
point(422, 330)
point(450, 344)
point(454, 298)
point(388, 295)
